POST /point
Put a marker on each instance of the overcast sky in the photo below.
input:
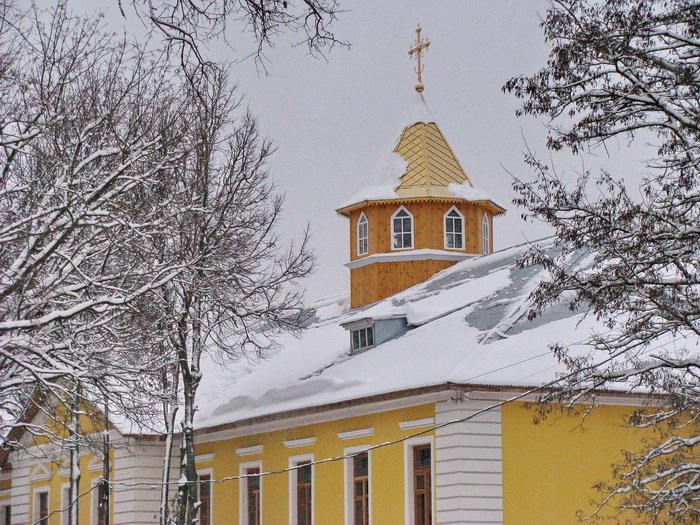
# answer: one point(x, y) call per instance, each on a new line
point(333, 119)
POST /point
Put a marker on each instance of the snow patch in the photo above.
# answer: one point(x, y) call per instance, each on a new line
point(467, 192)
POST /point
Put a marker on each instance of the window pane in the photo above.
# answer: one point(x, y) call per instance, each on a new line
point(402, 213)
point(406, 226)
point(370, 336)
point(407, 242)
point(458, 225)
point(355, 339)
point(304, 473)
point(361, 462)
point(363, 338)
point(458, 241)
point(397, 225)
point(450, 240)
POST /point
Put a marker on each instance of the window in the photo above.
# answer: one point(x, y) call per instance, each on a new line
point(301, 490)
point(204, 499)
point(454, 230)
point(99, 513)
point(485, 237)
point(402, 229)
point(362, 338)
point(304, 495)
point(418, 480)
point(41, 507)
point(360, 483)
point(251, 494)
point(362, 235)
point(6, 515)
point(422, 500)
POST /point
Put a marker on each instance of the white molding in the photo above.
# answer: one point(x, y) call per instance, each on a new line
point(204, 458)
point(303, 442)
point(46, 489)
point(243, 491)
point(408, 475)
point(353, 434)
point(413, 229)
point(417, 423)
point(40, 473)
point(95, 464)
point(411, 255)
point(249, 451)
point(602, 400)
point(357, 235)
point(444, 229)
point(65, 502)
point(294, 461)
point(312, 418)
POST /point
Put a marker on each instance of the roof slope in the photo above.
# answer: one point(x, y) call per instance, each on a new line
point(467, 324)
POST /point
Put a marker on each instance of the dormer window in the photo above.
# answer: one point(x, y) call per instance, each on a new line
point(362, 235)
point(485, 236)
point(362, 338)
point(402, 230)
point(454, 230)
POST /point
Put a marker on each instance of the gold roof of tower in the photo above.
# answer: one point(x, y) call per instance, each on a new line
point(432, 165)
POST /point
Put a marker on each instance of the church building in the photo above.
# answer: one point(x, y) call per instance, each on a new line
point(406, 403)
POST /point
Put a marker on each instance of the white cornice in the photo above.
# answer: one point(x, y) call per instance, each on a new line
point(417, 423)
point(410, 255)
point(249, 451)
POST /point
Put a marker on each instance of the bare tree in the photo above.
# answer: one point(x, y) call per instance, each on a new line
point(84, 124)
point(187, 24)
point(626, 70)
point(241, 288)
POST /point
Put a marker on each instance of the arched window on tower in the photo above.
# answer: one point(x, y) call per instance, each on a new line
point(362, 235)
point(454, 229)
point(485, 236)
point(402, 229)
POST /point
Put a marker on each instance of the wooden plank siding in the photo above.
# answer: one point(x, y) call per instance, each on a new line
point(379, 280)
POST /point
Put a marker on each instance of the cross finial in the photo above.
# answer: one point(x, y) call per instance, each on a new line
point(417, 50)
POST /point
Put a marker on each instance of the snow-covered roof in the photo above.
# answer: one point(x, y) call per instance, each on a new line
point(467, 324)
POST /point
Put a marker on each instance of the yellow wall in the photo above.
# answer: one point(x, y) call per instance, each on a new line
point(549, 469)
point(386, 474)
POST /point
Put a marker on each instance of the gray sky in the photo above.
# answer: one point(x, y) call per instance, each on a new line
point(333, 119)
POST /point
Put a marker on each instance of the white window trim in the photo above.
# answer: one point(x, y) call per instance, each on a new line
point(413, 229)
point(359, 220)
point(444, 228)
point(65, 502)
point(350, 486)
point(243, 491)
point(485, 235)
point(94, 494)
point(408, 475)
point(207, 472)
point(294, 461)
point(35, 502)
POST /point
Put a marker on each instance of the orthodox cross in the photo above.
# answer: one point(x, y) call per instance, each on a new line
point(417, 50)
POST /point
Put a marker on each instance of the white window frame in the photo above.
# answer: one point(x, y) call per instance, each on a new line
point(65, 502)
point(367, 330)
point(485, 235)
point(408, 476)
point(207, 472)
point(293, 462)
point(35, 503)
point(359, 237)
point(350, 485)
point(243, 491)
point(444, 228)
point(413, 229)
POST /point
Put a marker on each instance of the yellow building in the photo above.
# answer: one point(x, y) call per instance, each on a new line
point(405, 404)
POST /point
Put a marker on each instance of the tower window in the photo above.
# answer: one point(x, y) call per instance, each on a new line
point(402, 229)
point(454, 230)
point(362, 235)
point(485, 237)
